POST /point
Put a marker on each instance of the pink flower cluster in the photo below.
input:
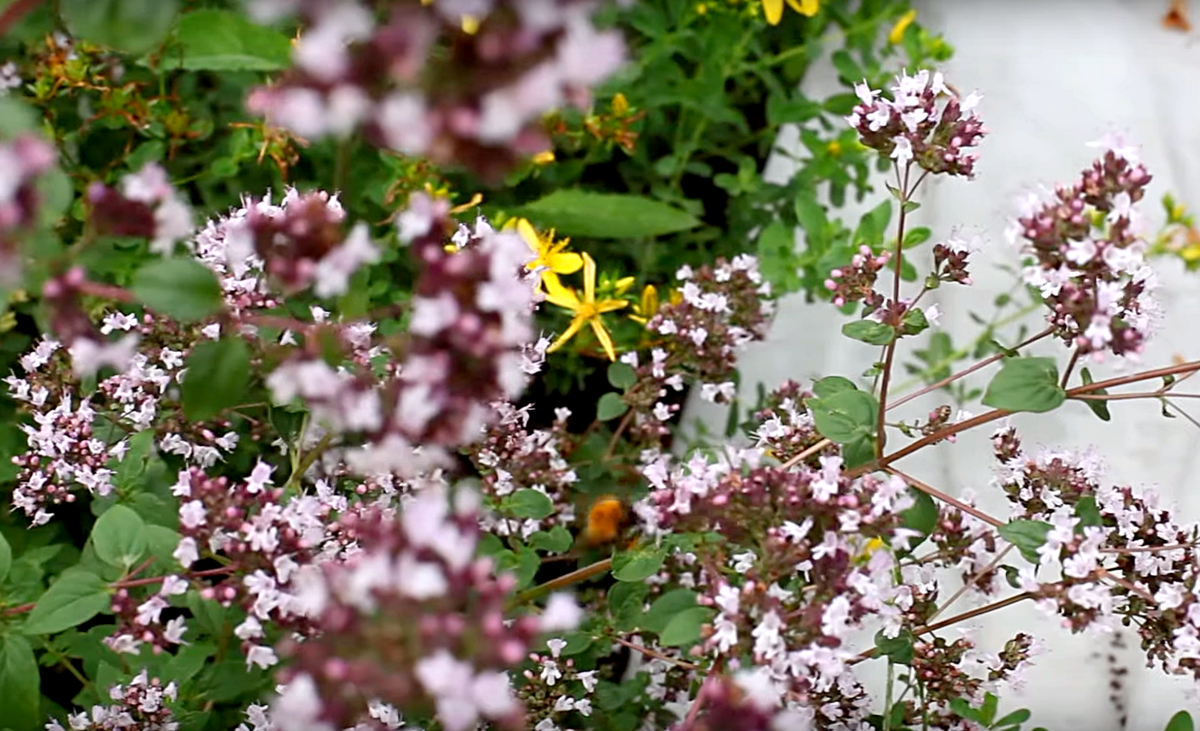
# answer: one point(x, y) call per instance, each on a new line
point(1086, 255)
point(22, 160)
point(1124, 558)
point(297, 244)
point(146, 206)
point(924, 123)
point(143, 704)
point(856, 281)
point(413, 619)
point(510, 62)
point(785, 426)
point(721, 308)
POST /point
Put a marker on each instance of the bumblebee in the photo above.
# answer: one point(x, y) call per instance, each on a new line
point(609, 521)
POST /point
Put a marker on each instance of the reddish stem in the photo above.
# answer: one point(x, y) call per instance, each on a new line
point(14, 12)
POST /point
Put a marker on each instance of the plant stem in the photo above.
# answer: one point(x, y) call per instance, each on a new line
point(1130, 396)
point(887, 696)
point(655, 654)
point(973, 613)
point(1066, 376)
point(307, 461)
point(561, 582)
point(889, 353)
point(14, 12)
point(937, 494)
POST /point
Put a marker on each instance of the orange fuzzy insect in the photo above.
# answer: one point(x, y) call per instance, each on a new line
point(1177, 17)
point(607, 521)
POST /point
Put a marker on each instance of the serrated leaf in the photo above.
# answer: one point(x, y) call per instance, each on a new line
point(216, 377)
point(179, 287)
point(119, 537)
point(73, 599)
point(1026, 384)
point(607, 215)
point(683, 629)
point(1027, 535)
point(223, 40)
point(869, 331)
point(610, 406)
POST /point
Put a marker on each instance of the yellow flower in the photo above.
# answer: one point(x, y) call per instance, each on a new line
point(544, 157)
point(897, 32)
point(620, 105)
point(774, 8)
point(587, 310)
point(644, 310)
point(550, 255)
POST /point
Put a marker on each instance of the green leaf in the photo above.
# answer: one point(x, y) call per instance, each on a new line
point(684, 628)
point(1099, 407)
point(898, 649)
point(607, 215)
point(216, 377)
point(76, 597)
point(610, 406)
point(1088, 512)
point(223, 40)
point(914, 322)
point(555, 540)
point(5, 557)
point(522, 563)
point(189, 660)
point(577, 642)
point(1016, 718)
point(20, 683)
point(637, 565)
point(119, 537)
point(869, 331)
point(1027, 535)
point(873, 225)
point(921, 517)
point(828, 386)
point(1026, 384)
point(987, 712)
point(530, 503)
point(132, 26)
point(621, 375)
point(917, 236)
point(858, 452)
point(133, 465)
point(625, 602)
point(1181, 721)
point(179, 287)
point(845, 416)
point(667, 606)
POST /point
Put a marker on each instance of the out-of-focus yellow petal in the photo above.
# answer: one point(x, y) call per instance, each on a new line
point(611, 305)
point(543, 158)
point(773, 9)
point(620, 105)
point(564, 262)
point(807, 8)
point(897, 32)
point(622, 285)
point(475, 200)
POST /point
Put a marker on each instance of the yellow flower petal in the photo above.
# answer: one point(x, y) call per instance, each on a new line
point(557, 294)
point(589, 278)
point(611, 305)
point(773, 10)
point(564, 262)
point(604, 338)
point(573, 328)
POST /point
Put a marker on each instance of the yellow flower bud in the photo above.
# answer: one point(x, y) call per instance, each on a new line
point(620, 105)
point(897, 32)
point(543, 158)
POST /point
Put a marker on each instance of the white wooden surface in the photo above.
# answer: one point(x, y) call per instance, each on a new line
point(1055, 74)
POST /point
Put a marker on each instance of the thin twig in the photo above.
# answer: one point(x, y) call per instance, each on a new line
point(974, 579)
point(935, 493)
point(655, 654)
point(561, 582)
point(1131, 396)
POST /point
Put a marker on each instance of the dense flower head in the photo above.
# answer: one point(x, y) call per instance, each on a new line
point(510, 62)
point(144, 704)
point(145, 206)
point(512, 457)
point(1121, 553)
point(1086, 257)
point(784, 426)
point(924, 122)
point(855, 282)
point(413, 619)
